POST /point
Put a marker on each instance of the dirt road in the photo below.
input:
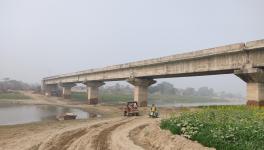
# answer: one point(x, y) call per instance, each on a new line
point(107, 133)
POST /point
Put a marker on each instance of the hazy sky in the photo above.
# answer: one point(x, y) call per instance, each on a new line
point(49, 37)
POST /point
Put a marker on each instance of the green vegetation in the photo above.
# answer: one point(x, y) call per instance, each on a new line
point(13, 95)
point(119, 97)
point(222, 127)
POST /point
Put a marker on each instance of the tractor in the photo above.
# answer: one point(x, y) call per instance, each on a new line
point(131, 109)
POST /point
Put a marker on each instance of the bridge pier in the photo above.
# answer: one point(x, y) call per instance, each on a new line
point(92, 91)
point(48, 89)
point(66, 90)
point(254, 77)
point(141, 89)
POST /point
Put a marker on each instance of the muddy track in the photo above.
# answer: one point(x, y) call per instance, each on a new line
point(133, 136)
point(101, 142)
point(96, 136)
point(64, 140)
point(68, 138)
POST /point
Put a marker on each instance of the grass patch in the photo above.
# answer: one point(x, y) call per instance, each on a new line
point(222, 127)
point(13, 95)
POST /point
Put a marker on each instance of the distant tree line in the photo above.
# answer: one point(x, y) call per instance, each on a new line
point(117, 88)
point(169, 89)
point(165, 88)
point(8, 84)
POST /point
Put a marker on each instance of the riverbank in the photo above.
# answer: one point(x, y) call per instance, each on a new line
point(111, 131)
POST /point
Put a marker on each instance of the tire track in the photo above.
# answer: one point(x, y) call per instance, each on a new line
point(95, 136)
point(64, 140)
point(101, 142)
point(120, 138)
point(133, 136)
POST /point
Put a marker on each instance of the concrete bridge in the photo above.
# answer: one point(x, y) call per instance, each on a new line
point(246, 60)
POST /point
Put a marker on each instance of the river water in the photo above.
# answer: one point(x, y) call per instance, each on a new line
point(11, 114)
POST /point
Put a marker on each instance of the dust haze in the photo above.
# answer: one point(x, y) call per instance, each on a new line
point(43, 38)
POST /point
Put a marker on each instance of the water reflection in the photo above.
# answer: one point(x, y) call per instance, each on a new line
point(19, 114)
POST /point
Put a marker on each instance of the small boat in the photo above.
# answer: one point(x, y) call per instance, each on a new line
point(69, 116)
point(66, 116)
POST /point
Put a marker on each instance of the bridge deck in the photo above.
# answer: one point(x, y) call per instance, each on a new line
point(218, 60)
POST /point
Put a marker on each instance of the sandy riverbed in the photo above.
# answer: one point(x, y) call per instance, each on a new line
point(112, 131)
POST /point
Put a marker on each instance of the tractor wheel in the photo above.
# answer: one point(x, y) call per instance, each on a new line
point(125, 113)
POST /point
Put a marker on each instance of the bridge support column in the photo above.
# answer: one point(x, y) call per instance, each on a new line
point(51, 90)
point(66, 90)
point(141, 90)
point(92, 91)
point(254, 77)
